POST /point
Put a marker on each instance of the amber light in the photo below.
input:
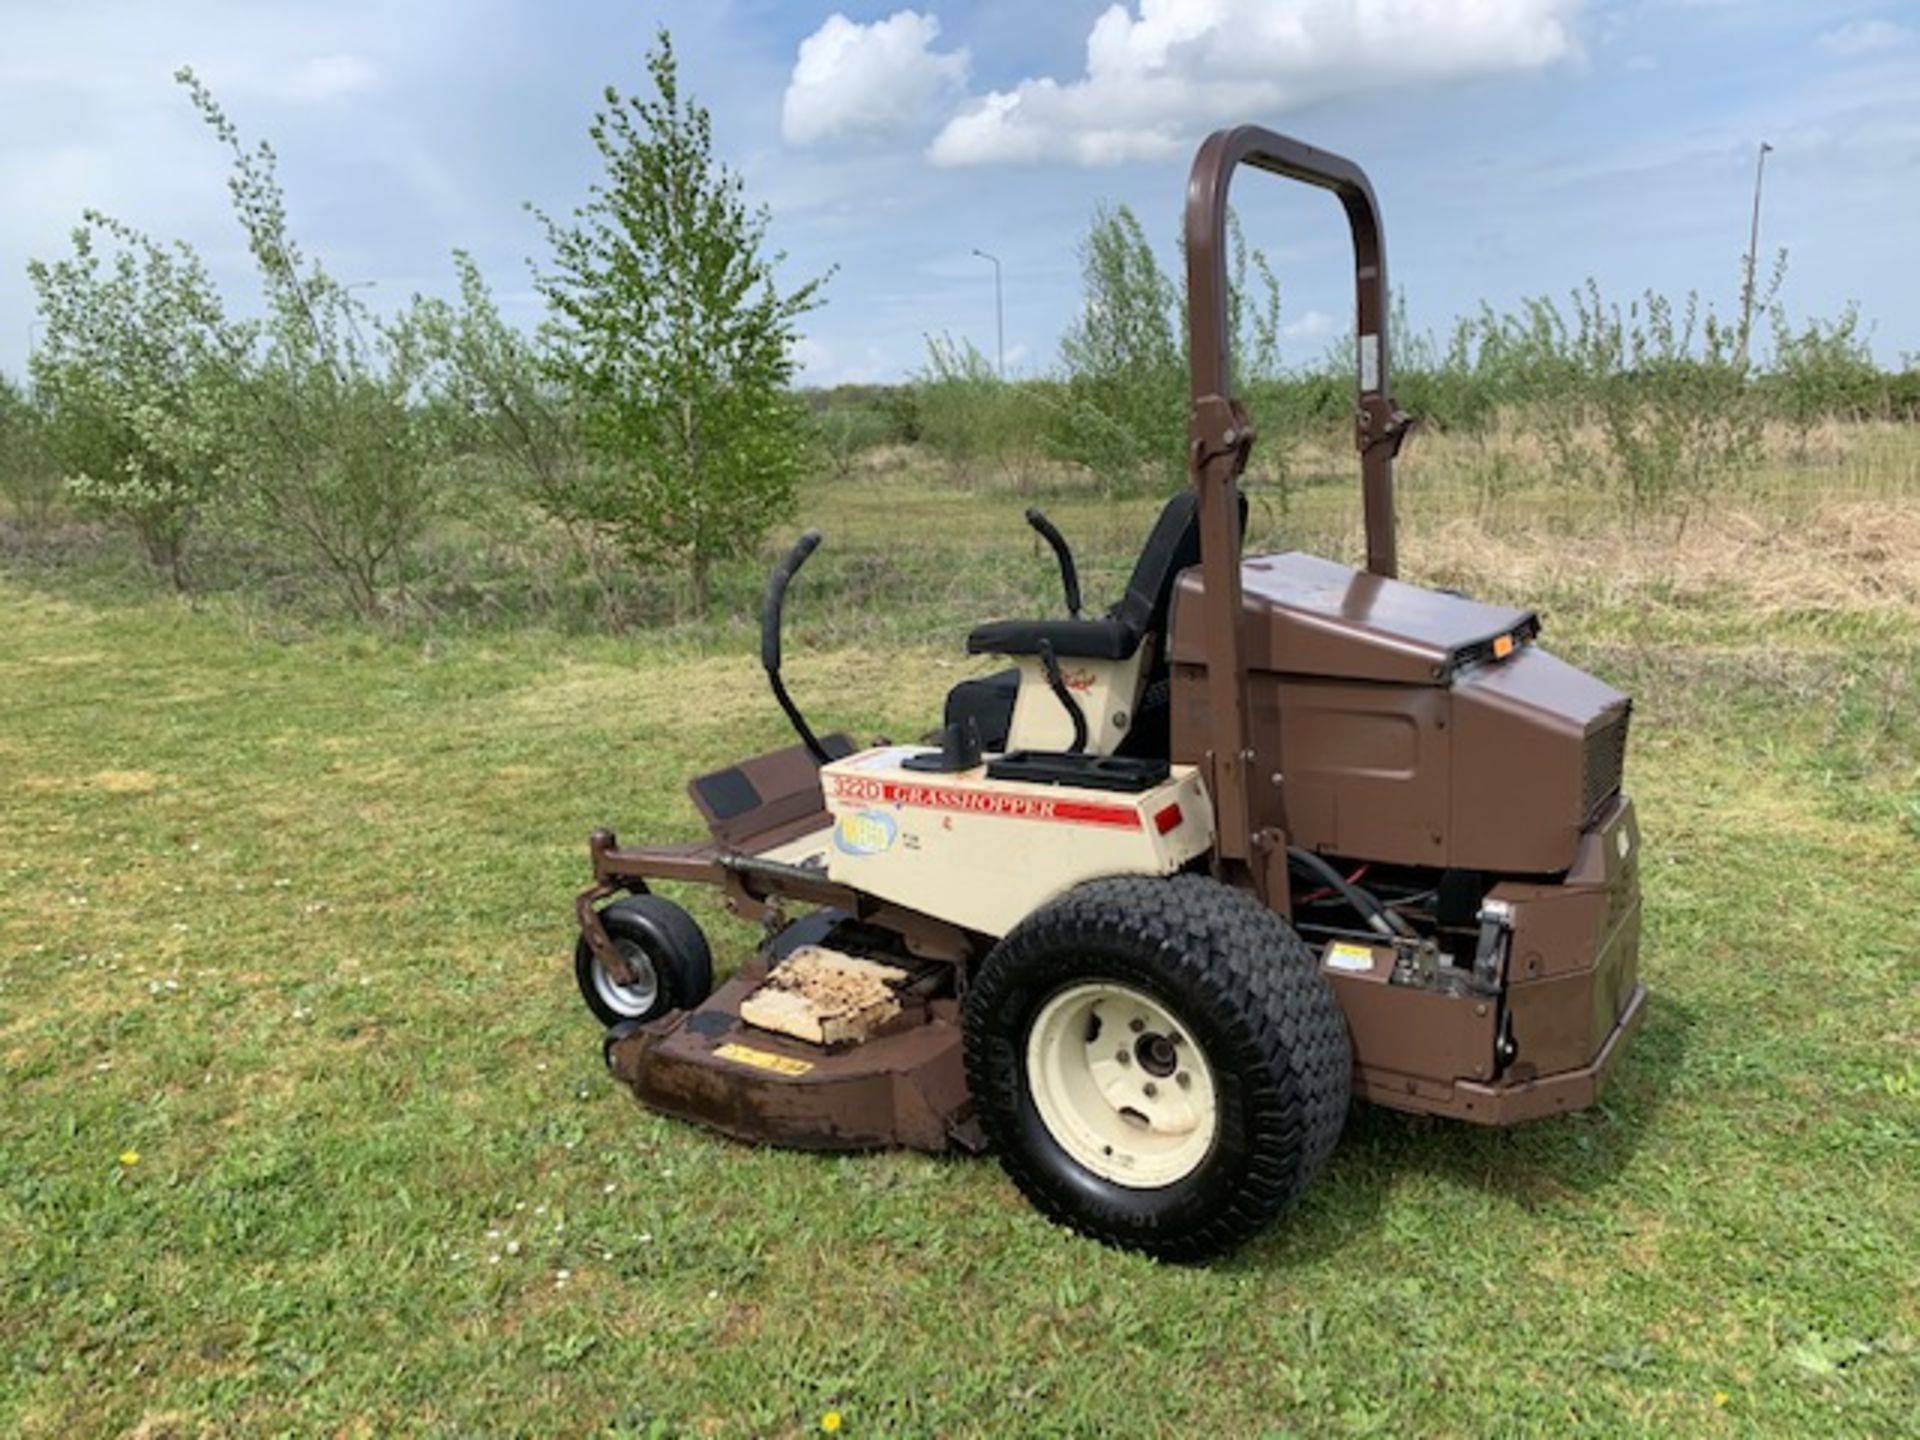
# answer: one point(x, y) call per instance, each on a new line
point(1502, 646)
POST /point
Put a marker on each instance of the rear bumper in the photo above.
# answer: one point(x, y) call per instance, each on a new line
point(1568, 1004)
point(1520, 1101)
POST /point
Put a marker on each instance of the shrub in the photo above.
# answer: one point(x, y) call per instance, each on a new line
point(137, 367)
point(29, 479)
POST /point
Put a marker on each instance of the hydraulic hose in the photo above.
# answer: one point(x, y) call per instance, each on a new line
point(1377, 915)
point(1057, 683)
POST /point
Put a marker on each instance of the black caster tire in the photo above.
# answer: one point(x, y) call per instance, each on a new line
point(671, 962)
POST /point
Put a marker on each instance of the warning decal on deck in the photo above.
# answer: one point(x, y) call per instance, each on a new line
point(763, 1059)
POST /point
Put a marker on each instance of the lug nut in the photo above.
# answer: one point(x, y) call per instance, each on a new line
point(1123, 1057)
point(1150, 1089)
point(1136, 1024)
point(1184, 1080)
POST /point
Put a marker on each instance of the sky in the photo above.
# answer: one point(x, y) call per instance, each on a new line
point(1518, 147)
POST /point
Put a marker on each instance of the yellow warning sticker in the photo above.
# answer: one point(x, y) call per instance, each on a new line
point(1343, 955)
point(763, 1059)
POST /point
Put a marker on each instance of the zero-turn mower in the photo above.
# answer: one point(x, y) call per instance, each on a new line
point(1267, 834)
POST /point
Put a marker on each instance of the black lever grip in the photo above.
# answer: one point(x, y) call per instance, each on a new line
point(1069, 573)
point(776, 598)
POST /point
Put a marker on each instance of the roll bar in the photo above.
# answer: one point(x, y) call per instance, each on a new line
point(1220, 437)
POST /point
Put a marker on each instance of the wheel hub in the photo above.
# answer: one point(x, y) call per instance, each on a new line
point(1120, 1084)
point(633, 999)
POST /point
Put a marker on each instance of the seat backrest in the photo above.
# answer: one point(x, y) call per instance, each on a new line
point(1172, 545)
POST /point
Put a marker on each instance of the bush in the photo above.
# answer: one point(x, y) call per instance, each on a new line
point(137, 368)
point(29, 479)
point(983, 427)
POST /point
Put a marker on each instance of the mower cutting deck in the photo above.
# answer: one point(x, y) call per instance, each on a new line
point(1161, 897)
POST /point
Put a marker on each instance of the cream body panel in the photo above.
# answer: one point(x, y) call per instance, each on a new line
point(984, 853)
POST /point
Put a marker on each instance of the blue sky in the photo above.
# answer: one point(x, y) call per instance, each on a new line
point(1518, 146)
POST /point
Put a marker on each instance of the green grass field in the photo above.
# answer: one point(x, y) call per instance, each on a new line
point(306, 1131)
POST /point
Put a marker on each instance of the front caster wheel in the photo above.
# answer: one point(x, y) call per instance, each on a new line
point(1158, 1063)
point(663, 947)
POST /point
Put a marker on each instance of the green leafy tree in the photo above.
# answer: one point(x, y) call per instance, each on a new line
point(1123, 410)
point(1123, 406)
point(668, 328)
point(489, 374)
point(510, 421)
point(135, 366)
point(339, 457)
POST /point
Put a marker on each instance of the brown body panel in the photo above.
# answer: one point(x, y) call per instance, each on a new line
point(1307, 616)
point(1388, 726)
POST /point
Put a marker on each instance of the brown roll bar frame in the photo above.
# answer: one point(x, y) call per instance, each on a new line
point(1220, 436)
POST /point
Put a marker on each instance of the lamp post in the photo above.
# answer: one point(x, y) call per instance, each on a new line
point(1753, 256)
point(999, 316)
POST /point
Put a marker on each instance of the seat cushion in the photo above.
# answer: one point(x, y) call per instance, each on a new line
point(1107, 638)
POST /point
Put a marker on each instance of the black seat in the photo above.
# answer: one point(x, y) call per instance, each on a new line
point(1173, 545)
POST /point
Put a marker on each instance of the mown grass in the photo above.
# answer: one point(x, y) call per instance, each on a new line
point(284, 912)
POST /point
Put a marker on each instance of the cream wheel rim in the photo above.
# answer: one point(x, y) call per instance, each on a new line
point(1121, 1085)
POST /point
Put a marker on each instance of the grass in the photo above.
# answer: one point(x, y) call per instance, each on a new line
point(284, 914)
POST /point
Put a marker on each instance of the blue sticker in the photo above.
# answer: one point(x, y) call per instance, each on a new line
point(865, 832)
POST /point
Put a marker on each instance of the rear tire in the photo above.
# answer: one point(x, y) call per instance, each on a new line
point(1082, 1023)
point(671, 962)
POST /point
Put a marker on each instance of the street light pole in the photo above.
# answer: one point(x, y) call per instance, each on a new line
point(999, 316)
point(1753, 256)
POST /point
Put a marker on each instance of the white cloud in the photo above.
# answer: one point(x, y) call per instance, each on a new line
point(1155, 79)
point(328, 77)
point(1314, 325)
point(1865, 37)
point(877, 81)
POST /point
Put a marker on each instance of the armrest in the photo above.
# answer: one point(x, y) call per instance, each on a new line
point(1102, 639)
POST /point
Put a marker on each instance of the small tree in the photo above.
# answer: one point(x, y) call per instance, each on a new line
point(1124, 410)
point(1124, 405)
point(338, 456)
point(489, 375)
point(669, 328)
point(135, 367)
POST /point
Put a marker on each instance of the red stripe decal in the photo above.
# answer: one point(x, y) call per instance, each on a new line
point(870, 790)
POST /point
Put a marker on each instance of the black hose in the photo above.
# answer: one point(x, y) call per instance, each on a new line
point(1385, 921)
point(1069, 572)
point(1057, 683)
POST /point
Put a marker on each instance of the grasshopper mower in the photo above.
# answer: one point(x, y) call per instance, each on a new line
point(1268, 834)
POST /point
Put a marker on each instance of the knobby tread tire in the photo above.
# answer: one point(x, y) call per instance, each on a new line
point(1245, 983)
